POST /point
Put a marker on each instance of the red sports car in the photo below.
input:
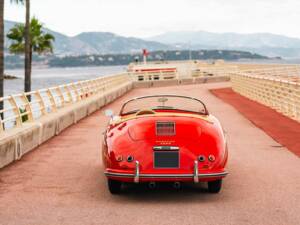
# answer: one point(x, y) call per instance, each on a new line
point(164, 138)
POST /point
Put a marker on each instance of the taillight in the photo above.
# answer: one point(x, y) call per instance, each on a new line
point(120, 158)
point(211, 158)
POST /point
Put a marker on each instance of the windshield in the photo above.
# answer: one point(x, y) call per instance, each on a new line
point(164, 103)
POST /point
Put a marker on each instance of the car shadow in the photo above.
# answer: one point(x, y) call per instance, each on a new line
point(165, 192)
point(162, 193)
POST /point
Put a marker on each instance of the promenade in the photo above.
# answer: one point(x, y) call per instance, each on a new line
point(62, 182)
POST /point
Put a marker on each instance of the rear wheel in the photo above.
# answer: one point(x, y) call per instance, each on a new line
point(114, 186)
point(214, 186)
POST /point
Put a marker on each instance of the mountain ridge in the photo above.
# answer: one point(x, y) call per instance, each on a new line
point(268, 44)
point(262, 43)
point(86, 43)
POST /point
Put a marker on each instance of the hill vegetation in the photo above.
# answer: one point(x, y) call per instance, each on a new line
point(124, 59)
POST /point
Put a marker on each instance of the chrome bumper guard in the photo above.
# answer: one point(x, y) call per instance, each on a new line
point(196, 172)
point(137, 172)
point(136, 175)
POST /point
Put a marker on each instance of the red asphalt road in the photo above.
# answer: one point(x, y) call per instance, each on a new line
point(62, 181)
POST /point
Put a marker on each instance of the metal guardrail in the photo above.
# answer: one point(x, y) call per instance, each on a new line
point(19, 110)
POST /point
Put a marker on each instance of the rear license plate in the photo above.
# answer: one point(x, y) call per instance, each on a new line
point(166, 159)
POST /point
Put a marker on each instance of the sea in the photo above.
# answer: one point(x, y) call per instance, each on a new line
point(49, 77)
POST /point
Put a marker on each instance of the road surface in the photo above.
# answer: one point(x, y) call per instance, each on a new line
point(62, 182)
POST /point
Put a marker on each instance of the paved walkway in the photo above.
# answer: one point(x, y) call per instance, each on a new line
point(62, 182)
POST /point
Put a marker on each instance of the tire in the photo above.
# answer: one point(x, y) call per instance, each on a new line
point(114, 186)
point(214, 186)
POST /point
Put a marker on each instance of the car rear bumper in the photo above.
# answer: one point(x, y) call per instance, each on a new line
point(137, 176)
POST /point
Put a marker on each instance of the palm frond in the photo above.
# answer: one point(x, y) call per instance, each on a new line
point(49, 37)
point(17, 48)
point(41, 42)
point(16, 32)
point(16, 35)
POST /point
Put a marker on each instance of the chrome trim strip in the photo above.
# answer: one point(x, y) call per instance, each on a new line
point(137, 172)
point(165, 148)
point(129, 175)
point(196, 172)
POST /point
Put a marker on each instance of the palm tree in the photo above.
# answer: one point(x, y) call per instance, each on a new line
point(40, 42)
point(28, 54)
point(1, 52)
point(2, 47)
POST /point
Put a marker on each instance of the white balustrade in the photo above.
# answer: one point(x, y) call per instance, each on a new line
point(18, 109)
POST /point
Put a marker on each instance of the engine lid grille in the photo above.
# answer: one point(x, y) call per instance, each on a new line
point(165, 128)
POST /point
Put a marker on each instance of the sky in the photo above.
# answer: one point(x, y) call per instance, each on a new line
point(145, 18)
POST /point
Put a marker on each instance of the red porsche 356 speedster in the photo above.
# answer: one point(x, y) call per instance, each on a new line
point(164, 138)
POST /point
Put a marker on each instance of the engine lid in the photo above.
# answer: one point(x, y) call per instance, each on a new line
point(164, 129)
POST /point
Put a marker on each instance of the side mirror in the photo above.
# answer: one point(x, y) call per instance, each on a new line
point(109, 113)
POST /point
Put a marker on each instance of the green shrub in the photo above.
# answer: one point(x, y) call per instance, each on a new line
point(24, 117)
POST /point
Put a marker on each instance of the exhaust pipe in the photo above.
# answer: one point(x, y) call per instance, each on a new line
point(152, 185)
point(177, 185)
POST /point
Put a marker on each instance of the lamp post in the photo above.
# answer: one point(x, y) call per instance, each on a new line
point(190, 51)
point(145, 54)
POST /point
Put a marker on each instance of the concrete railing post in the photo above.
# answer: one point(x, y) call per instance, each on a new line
point(52, 100)
point(77, 96)
point(68, 92)
point(41, 102)
point(28, 107)
point(16, 110)
point(60, 96)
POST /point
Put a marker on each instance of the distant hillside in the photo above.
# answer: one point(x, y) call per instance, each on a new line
point(108, 43)
point(262, 43)
point(96, 43)
point(125, 59)
point(102, 43)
